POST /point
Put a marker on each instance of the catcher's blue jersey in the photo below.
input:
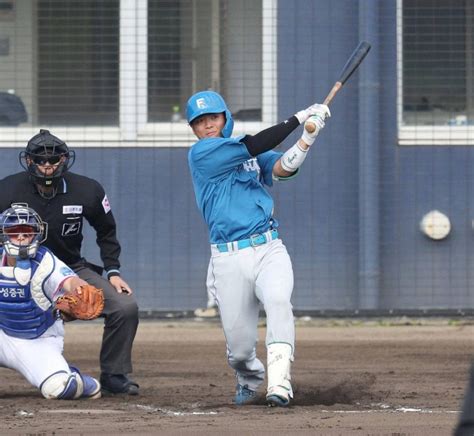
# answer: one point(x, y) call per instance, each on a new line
point(229, 187)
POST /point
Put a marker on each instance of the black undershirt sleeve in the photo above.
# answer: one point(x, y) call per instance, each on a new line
point(269, 138)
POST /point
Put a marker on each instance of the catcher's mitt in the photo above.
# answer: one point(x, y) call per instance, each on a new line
point(84, 302)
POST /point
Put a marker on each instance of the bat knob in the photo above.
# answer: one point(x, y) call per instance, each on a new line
point(309, 126)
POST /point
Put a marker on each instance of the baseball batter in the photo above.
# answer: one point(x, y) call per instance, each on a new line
point(249, 264)
point(31, 335)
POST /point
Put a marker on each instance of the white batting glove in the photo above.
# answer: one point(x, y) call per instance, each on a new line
point(318, 122)
point(316, 109)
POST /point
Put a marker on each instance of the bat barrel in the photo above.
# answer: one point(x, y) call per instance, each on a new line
point(351, 65)
point(354, 61)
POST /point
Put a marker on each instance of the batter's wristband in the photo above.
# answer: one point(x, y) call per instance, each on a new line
point(293, 158)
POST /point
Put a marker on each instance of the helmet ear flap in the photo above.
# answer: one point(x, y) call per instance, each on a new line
point(229, 124)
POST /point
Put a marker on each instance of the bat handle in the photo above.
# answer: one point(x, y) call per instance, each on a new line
point(309, 126)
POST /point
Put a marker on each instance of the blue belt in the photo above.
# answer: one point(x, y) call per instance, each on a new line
point(253, 241)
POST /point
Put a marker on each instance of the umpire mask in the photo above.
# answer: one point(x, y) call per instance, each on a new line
point(46, 158)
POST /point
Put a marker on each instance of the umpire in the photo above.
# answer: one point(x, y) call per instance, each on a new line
point(465, 426)
point(63, 199)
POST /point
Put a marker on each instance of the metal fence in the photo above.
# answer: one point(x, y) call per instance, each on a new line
point(112, 77)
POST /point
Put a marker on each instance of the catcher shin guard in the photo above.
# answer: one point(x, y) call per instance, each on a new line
point(62, 386)
point(279, 357)
point(70, 386)
point(90, 386)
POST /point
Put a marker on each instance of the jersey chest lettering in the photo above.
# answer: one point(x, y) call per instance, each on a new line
point(75, 209)
point(252, 165)
point(12, 293)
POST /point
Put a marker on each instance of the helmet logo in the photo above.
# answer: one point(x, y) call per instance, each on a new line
point(201, 103)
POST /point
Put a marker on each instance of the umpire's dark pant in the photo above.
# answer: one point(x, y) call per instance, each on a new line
point(466, 421)
point(121, 322)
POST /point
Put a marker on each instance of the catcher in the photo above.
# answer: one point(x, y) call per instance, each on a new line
point(37, 292)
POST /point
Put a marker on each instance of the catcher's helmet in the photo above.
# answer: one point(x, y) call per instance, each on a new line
point(21, 219)
point(209, 102)
point(46, 148)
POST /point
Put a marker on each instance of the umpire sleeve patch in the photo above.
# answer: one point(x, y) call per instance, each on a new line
point(106, 204)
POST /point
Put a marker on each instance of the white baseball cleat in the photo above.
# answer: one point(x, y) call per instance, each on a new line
point(279, 357)
point(278, 396)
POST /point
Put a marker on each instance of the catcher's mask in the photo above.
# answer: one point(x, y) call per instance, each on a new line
point(18, 220)
point(46, 149)
point(209, 102)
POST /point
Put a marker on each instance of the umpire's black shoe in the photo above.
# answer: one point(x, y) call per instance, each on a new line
point(118, 384)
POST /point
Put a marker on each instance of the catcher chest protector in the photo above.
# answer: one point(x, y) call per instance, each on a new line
point(25, 311)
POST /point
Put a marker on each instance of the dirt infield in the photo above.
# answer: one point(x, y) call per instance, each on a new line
point(361, 378)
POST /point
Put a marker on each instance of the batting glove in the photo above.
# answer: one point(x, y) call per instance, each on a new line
point(320, 110)
point(308, 138)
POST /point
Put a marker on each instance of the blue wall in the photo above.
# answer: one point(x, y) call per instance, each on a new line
point(165, 250)
point(164, 241)
point(415, 272)
point(319, 209)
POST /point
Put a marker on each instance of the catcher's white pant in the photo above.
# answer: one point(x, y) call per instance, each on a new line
point(36, 359)
point(241, 280)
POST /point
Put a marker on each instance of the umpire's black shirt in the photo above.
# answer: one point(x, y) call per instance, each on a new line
point(78, 197)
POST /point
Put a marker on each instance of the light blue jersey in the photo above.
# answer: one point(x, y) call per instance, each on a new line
point(229, 187)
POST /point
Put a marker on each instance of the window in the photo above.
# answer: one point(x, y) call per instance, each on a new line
point(435, 71)
point(194, 46)
point(78, 62)
point(124, 69)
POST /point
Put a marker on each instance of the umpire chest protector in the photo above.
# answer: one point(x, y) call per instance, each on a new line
point(26, 312)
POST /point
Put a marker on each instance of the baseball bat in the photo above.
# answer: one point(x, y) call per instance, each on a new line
point(351, 65)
